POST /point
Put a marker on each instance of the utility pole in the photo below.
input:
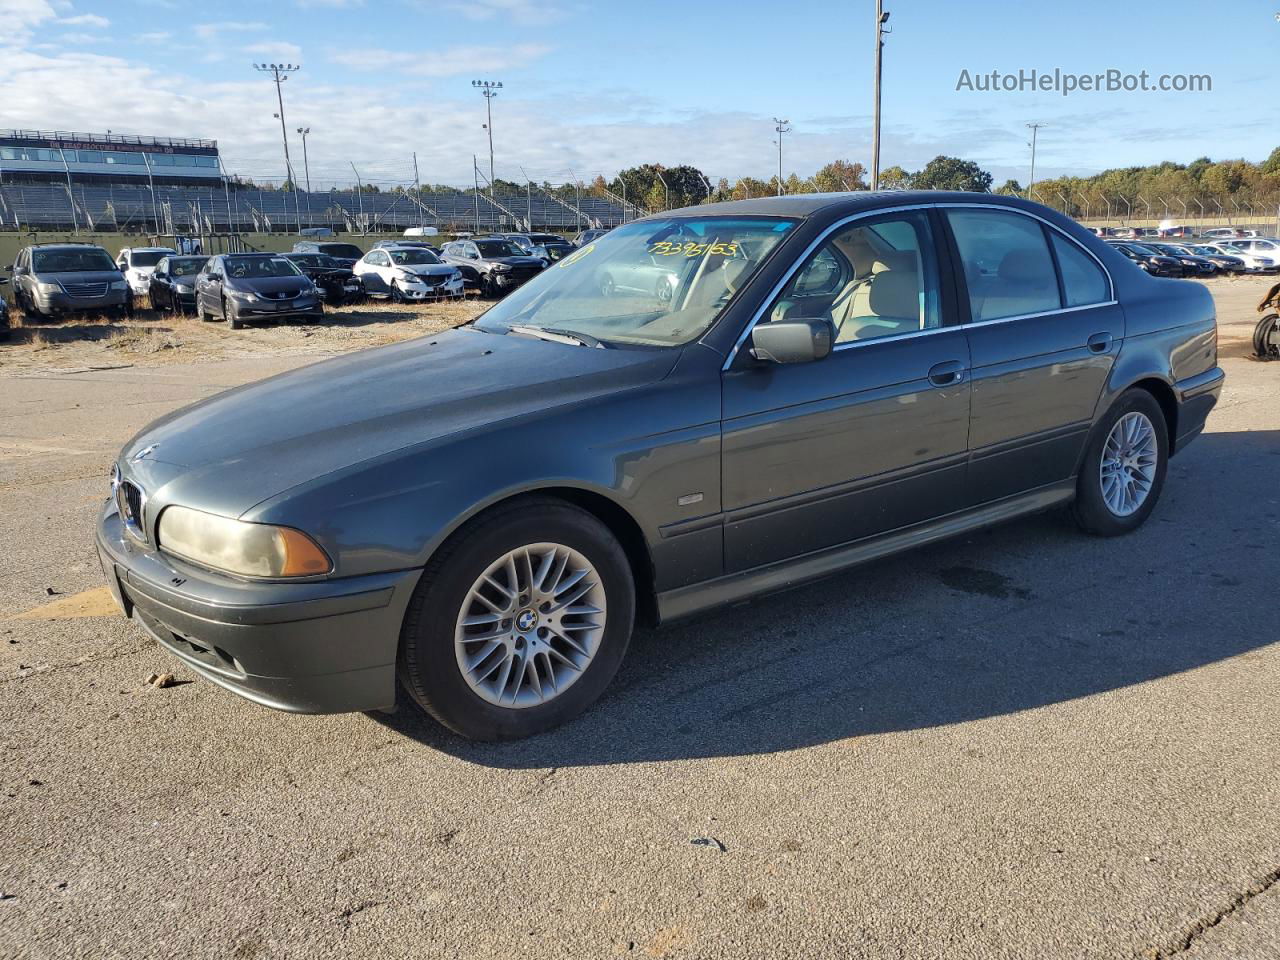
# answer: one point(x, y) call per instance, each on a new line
point(666, 191)
point(528, 200)
point(279, 73)
point(359, 194)
point(781, 127)
point(881, 30)
point(306, 168)
point(417, 185)
point(475, 172)
point(489, 89)
point(75, 221)
point(1035, 129)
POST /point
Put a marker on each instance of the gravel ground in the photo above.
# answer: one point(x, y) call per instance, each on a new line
point(1022, 743)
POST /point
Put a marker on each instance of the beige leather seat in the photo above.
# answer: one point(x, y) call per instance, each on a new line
point(884, 303)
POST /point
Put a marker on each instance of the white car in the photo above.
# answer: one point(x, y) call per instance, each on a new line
point(1267, 247)
point(139, 263)
point(407, 273)
point(1227, 233)
point(1254, 261)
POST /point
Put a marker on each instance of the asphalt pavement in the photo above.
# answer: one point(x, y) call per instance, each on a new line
point(1022, 743)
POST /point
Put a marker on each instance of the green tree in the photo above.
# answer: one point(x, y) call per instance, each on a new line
point(895, 178)
point(1010, 188)
point(839, 176)
point(1271, 166)
point(952, 173)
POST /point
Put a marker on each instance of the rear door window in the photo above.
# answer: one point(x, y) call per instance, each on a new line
point(1006, 262)
point(1083, 281)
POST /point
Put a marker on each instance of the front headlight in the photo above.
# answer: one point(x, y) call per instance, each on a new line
point(234, 546)
point(500, 268)
point(240, 294)
point(49, 287)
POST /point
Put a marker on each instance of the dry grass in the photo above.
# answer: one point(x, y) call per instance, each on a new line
point(151, 337)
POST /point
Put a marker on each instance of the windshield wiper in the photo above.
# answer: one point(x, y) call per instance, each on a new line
point(557, 336)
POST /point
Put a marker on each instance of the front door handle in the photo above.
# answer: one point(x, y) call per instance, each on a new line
point(946, 374)
point(1100, 342)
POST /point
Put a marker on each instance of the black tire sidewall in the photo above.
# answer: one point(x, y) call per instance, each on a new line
point(1090, 508)
point(428, 666)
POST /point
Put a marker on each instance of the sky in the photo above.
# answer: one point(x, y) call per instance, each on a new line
point(589, 88)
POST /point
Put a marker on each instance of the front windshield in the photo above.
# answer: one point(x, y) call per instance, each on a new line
point(652, 282)
point(186, 266)
point(70, 261)
point(402, 257)
point(242, 268)
point(147, 258)
point(498, 248)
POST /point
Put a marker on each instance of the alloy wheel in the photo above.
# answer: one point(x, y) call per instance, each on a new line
point(530, 625)
point(1127, 469)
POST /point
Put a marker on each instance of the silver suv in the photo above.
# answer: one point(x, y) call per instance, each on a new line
point(54, 278)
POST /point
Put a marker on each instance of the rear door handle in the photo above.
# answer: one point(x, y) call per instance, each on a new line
point(946, 374)
point(1100, 342)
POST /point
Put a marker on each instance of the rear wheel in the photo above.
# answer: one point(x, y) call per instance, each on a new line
point(1124, 467)
point(519, 622)
point(1266, 337)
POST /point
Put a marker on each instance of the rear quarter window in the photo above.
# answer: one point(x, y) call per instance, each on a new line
point(1083, 281)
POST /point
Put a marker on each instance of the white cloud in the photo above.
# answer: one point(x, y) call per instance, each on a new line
point(160, 36)
point(80, 38)
point(85, 20)
point(450, 62)
point(208, 31)
point(276, 51)
point(524, 12)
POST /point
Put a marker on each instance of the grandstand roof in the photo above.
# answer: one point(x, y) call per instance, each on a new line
point(107, 138)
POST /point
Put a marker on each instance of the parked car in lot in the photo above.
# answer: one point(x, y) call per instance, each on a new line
point(60, 278)
point(408, 273)
point(345, 253)
point(1265, 247)
point(172, 284)
point(556, 246)
point(137, 265)
point(1192, 265)
point(1226, 263)
point(337, 284)
point(4, 312)
point(480, 516)
point(1253, 262)
point(420, 244)
point(239, 287)
point(1156, 264)
point(589, 236)
point(493, 264)
point(1227, 233)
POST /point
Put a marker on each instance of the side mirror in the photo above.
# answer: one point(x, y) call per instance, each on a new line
point(792, 341)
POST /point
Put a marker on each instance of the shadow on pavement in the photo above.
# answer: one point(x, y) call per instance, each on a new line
point(1018, 617)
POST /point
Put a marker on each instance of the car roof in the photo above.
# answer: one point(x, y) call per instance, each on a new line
point(150, 250)
point(804, 205)
point(67, 246)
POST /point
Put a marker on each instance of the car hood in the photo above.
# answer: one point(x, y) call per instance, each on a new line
point(516, 261)
point(81, 276)
point(239, 448)
point(429, 269)
point(269, 284)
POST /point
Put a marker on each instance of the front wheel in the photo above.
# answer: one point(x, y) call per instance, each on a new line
point(1124, 467)
point(519, 622)
point(232, 320)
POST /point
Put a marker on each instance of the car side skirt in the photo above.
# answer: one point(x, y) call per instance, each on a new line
point(686, 601)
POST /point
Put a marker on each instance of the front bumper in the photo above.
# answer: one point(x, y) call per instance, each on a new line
point(316, 647)
point(281, 309)
point(422, 291)
point(65, 303)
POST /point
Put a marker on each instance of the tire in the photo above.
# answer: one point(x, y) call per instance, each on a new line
point(397, 295)
point(1266, 338)
point(429, 664)
point(233, 322)
point(1094, 511)
point(205, 317)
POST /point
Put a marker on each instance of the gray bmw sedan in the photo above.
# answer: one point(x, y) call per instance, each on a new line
point(696, 407)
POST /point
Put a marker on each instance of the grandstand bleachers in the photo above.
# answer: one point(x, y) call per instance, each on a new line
point(188, 209)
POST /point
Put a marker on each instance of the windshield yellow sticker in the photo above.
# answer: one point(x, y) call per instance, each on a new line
point(667, 248)
point(576, 255)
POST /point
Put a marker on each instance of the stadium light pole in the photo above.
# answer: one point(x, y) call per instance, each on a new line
point(489, 89)
point(781, 127)
point(306, 168)
point(1035, 129)
point(279, 73)
point(75, 221)
point(359, 195)
point(882, 17)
